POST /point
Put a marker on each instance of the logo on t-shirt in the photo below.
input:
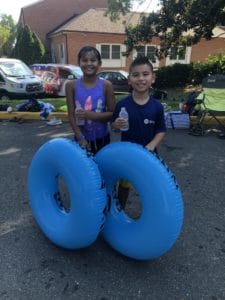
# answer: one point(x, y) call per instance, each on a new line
point(147, 121)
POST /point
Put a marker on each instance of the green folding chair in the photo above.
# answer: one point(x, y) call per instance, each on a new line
point(210, 104)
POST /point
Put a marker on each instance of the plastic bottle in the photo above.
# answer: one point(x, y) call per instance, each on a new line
point(80, 121)
point(88, 106)
point(99, 106)
point(124, 115)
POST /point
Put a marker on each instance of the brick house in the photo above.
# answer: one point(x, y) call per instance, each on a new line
point(47, 15)
point(66, 26)
point(94, 28)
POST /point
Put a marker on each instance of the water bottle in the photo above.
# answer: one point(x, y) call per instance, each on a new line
point(124, 115)
point(99, 106)
point(80, 121)
point(88, 106)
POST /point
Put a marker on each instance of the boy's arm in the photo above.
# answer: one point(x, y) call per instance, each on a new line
point(156, 141)
point(161, 131)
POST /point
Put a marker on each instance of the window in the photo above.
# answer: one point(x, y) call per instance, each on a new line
point(64, 73)
point(177, 53)
point(149, 51)
point(115, 52)
point(141, 51)
point(105, 51)
point(1, 78)
point(110, 51)
point(61, 53)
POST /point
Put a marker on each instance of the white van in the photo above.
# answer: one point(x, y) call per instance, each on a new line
point(17, 80)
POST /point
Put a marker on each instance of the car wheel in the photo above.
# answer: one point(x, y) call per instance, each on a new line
point(4, 96)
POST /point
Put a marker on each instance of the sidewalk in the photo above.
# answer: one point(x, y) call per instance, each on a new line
point(63, 116)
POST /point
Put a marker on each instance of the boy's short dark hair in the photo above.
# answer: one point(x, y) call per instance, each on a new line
point(83, 51)
point(140, 60)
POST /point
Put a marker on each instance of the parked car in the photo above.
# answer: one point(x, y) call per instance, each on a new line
point(119, 80)
point(55, 77)
point(17, 80)
point(38, 69)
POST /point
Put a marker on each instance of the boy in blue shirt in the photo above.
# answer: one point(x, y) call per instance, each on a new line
point(146, 114)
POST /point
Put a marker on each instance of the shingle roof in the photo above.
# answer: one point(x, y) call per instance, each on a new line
point(95, 20)
point(46, 15)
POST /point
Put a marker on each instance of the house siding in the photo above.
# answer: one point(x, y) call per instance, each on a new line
point(202, 50)
point(78, 40)
point(74, 41)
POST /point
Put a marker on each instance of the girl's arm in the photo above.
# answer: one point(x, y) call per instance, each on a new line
point(156, 140)
point(110, 105)
point(70, 91)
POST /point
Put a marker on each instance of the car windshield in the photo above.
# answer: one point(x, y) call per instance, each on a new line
point(15, 69)
point(124, 73)
point(77, 71)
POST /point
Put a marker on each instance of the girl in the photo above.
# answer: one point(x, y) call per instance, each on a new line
point(90, 102)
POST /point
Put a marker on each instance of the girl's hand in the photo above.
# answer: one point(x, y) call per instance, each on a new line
point(80, 113)
point(80, 139)
point(83, 143)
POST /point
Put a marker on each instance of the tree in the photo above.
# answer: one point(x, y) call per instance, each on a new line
point(29, 47)
point(178, 22)
point(39, 49)
point(4, 36)
point(7, 34)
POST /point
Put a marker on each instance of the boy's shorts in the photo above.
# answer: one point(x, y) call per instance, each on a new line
point(125, 184)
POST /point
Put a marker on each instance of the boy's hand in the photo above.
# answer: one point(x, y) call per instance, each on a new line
point(119, 123)
point(150, 147)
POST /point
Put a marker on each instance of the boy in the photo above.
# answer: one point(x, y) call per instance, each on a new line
point(146, 114)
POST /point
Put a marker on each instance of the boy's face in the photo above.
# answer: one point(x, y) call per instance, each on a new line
point(141, 78)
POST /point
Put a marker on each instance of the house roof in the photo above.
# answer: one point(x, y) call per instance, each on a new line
point(95, 20)
point(44, 16)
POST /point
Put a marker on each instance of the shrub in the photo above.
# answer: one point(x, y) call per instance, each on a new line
point(177, 75)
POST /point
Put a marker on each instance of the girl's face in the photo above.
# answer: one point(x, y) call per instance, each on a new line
point(89, 63)
point(141, 78)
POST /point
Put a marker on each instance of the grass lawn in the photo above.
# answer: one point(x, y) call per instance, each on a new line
point(174, 97)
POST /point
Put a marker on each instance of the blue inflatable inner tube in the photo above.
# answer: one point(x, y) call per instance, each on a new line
point(80, 226)
point(160, 222)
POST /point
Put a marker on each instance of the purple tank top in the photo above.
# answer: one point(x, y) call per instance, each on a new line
point(92, 99)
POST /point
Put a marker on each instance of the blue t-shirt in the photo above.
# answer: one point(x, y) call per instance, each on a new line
point(145, 121)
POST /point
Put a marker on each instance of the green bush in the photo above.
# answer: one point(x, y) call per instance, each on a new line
point(177, 75)
point(181, 75)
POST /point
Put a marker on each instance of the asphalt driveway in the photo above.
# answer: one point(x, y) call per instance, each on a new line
point(34, 268)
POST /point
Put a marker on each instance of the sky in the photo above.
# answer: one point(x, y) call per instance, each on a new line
point(13, 7)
